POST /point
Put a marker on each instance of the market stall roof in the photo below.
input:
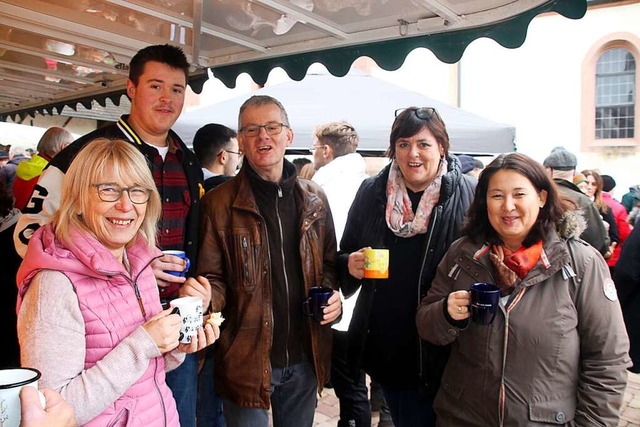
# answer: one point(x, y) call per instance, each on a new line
point(60, 53)
point(367, 103)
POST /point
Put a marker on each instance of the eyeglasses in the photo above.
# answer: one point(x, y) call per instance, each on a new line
point(423, 113)
point(112, 193)
point(313, 148)
point(271, 128)
point(239, 153)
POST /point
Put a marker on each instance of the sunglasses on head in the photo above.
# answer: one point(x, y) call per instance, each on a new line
point(423, 113)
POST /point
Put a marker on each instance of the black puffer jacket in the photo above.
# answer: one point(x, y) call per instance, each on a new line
point(366, 226)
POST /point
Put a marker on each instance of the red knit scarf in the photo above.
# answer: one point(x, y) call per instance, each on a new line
point(510, 266)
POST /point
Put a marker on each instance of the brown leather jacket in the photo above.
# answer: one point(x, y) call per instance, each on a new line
point(235, 256)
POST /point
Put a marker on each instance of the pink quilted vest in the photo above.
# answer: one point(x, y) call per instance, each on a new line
point(111, 312)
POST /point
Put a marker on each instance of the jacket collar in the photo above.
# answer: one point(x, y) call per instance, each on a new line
point(132, 136)
point(555, 257)
point(285, 185)
point(245, 198)
point(567, 184)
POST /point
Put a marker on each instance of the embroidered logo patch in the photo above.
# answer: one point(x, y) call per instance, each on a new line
point(610, 290)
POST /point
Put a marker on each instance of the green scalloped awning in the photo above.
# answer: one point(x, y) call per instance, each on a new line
point(33, 79)
point(390, 55)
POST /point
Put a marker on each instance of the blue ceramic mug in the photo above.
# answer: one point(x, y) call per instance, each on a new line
point(484, 302)
point(179, 254)
point(318, 299)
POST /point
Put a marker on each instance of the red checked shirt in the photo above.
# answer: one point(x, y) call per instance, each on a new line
point(171, 182)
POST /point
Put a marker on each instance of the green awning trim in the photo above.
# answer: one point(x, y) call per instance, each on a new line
point(390, 55)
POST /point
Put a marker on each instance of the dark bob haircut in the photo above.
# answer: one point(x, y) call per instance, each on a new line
point(478, 226)
point(410, 121)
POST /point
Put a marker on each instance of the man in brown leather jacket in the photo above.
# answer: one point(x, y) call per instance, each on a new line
point(267, 237)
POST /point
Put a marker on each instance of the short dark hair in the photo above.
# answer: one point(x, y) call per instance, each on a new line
point(340, 136)
point(210, 140)
point(478, 225)
point(167, 54)
point(408, 123)
point(299, 162)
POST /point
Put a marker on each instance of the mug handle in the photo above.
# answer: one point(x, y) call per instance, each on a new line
point(306, 309)
point(186, 268)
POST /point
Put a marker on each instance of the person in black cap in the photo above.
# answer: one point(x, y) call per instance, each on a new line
point(608, 183)
point(561, 165)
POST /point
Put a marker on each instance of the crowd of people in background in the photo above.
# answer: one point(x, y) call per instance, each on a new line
point(87, 288)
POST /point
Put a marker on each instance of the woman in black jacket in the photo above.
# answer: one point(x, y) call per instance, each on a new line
point(414, 207)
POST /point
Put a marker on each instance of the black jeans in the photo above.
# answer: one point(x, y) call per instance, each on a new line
point(355, 410)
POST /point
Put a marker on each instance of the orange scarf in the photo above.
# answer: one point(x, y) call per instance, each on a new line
point(510, 266)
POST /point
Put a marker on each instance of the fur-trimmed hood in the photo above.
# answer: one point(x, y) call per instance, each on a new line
point(572, 224)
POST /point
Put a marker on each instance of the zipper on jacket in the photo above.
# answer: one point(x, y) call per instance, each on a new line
point(284, 268)
point(424, 261)
point(245, 249)
point(155, 382)
point(139, 298)
point(136, 290)
point(503, 396)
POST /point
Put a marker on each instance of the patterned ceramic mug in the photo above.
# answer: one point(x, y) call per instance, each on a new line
point(190, 310)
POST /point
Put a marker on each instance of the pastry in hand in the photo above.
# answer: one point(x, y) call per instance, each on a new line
point(215, 319)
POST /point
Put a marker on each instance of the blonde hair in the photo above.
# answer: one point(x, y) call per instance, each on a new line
point(341, 136)
point(98, 158)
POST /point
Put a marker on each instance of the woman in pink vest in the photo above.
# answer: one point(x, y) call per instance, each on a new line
point(89, 314)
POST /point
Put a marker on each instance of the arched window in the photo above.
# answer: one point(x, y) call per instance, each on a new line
point(615, 95)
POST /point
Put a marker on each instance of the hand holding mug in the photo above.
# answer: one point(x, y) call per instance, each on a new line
point(12, 382)
point(197, 287)
point(171, 268)
point(458, 305)
point(333, 310)
point(164, 330)
point(355, 263)
point(205, 336)
point(323, 304)
point(56, 413)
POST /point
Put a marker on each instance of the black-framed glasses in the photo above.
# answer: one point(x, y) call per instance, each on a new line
point(423, 113)
point(270, 128)
point(111, 193)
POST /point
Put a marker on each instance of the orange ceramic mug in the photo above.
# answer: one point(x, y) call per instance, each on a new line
point(376, 263)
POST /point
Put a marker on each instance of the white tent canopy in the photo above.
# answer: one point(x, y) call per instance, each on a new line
point(364, 101)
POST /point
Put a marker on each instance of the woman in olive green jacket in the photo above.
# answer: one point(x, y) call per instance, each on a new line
point(557, 351)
